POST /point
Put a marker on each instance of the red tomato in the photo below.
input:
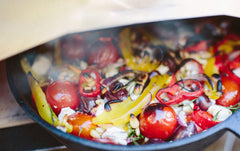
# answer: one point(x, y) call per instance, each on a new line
point(73, 47)
point(62, 94)
point(231, 92)
point(203, 119)
point(158, 121)
point(82, 124)
point(102, 53)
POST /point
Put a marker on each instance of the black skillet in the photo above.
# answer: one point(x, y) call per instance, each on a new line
point(20, 89)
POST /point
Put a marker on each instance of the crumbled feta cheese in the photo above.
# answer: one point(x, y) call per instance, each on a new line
point(41, 65)
point(118, 135)
point(100, 107)
point(110, 71)
point(188, 106)
point(176, 109)
point(162, 69)
point(65, 111)
point(83, 65)
point(182, 118)
point(223, 113)
point(62, 128)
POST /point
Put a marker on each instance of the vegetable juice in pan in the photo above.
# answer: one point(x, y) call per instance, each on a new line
point(139, 85)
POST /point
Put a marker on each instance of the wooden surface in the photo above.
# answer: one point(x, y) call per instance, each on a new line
point(10, 112)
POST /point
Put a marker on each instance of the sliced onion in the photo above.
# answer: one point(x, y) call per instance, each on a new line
point(183, 132)
point(127, 73)
point(181, 118)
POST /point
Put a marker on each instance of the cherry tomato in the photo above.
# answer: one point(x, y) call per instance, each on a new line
point(102, 53)
point(73, 47)
point(82, 124)
point(203, 119)
point(231, 92)
point(61, 94)
point(158, 121)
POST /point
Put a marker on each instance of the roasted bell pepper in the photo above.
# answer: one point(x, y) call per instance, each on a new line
point(133, 62)
point(223, 49)
point(89, 83)
point(180, 91)
point(43, 108)
point(27, 68)
point(119, 113)
point(210, 68)
point(231, 66)
point(203, 119)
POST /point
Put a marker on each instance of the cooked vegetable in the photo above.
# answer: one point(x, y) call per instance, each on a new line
point(140, 64)
point(231, 95)
point(82, 124)
point(138, 85)
point(61, 94)
point(180, 91)
point(89, 83)
point(120, 112)
point(158, 121)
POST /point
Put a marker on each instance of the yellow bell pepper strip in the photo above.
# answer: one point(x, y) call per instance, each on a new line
point(120, 112)
point(27, 68)
point(44, 109)
point(133, 62)
point(210, 68)
point(211, 92)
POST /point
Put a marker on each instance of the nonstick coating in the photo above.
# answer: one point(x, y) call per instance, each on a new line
point(21, 91)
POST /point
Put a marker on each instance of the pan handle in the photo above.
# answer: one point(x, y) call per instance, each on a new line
point(233, 123)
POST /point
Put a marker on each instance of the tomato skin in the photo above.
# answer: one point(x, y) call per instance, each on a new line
point(73, 47)
point(102, 53)
point(231, 92)
point(82, 124)
point(158, 121)
point(61, 94)
point(203, 119)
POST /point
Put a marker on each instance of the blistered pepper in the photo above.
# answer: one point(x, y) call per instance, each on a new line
point(203, 119)
point(89, 83)
point(43, 108)
point(119, 113)
point(223, 48)
point(180, 91)
point(133, 62)
point(231, 66)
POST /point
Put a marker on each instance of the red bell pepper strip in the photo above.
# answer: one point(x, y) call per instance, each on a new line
point(222, 50)
point(180, 91)
point(201, 46)
point(203, 119)
point(231, 66)
point(89, 83)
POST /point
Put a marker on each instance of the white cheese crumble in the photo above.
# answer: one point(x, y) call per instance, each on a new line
point(162, 69)
point(223, 113)
point(65, 111)
point(118, 135)
point(188, 106)
point(41, 65)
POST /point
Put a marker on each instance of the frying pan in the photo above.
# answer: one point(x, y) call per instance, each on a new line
point(19, 86)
